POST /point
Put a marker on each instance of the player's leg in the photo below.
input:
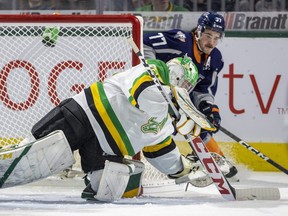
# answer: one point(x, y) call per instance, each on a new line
point(69, 117)
point(213, 146)
point(110, 183)
point(115, 181)
point(52, 121)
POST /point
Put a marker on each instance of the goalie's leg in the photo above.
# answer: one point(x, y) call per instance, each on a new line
point(115, 181)
point(40, 159)
point(69, 117)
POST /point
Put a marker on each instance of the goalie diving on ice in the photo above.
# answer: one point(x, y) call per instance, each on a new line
point(109, 122)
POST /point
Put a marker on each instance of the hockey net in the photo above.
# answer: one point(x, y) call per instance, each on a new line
point(47, 58)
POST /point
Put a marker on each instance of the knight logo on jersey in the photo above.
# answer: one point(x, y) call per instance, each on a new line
point(181, 36)
point(152, 126)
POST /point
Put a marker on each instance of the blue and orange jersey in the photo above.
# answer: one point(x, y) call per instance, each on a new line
point(177, 43)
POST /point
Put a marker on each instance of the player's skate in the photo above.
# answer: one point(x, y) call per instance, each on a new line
point(227, 168)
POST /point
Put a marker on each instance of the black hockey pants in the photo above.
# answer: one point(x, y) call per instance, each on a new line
point(69, 117)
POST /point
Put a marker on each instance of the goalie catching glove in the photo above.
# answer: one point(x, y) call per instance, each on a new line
point(212, 113)
point(186, 125)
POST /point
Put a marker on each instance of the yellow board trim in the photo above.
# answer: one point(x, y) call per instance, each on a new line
point(277, 152)
point(9, 141)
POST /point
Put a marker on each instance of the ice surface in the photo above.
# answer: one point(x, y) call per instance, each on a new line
point(57, 197)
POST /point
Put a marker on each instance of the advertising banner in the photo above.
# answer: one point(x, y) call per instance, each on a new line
point(186, 20)
point(253, 87)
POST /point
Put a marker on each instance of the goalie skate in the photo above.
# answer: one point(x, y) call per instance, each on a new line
point(198, 177)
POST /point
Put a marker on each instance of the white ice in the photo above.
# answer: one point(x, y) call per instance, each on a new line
point(57, 197)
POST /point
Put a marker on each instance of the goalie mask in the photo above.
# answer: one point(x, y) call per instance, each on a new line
point(183, 72)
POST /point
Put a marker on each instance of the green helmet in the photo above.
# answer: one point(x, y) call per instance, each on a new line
point(183, 72)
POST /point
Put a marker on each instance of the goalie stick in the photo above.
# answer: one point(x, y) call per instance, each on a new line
point(225, 189)
point(253, 150)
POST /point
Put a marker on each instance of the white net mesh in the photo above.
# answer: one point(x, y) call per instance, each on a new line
point(36, 74)
point(152, 177)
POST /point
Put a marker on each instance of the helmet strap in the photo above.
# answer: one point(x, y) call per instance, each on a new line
point(198, 33)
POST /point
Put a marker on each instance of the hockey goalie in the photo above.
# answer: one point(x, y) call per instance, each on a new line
point(108, 123)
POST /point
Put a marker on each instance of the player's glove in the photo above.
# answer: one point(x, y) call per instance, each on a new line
point(212, 113)
point(185, 125)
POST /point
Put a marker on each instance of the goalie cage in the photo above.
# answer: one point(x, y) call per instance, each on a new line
point(47, 58)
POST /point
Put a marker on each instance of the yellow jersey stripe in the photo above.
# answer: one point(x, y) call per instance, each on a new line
point(159, 146)
point(110, 119)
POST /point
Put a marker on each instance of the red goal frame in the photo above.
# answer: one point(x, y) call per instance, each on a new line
point(44, 18)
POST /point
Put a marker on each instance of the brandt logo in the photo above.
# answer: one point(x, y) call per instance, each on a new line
point(237, 21)
point(161, 22)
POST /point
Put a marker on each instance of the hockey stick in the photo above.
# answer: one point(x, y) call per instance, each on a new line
point(154, 78)
point(225, 189)
point(253, 150)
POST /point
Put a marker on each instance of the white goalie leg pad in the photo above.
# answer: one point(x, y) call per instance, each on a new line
point(34, 161)
point(134, 186)
point(95, 178)
point(113, 182)
point(139, 166)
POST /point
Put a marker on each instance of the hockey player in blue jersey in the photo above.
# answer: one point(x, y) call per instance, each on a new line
point(199, 44)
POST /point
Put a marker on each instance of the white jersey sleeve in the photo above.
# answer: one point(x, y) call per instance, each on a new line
point(153, 103)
